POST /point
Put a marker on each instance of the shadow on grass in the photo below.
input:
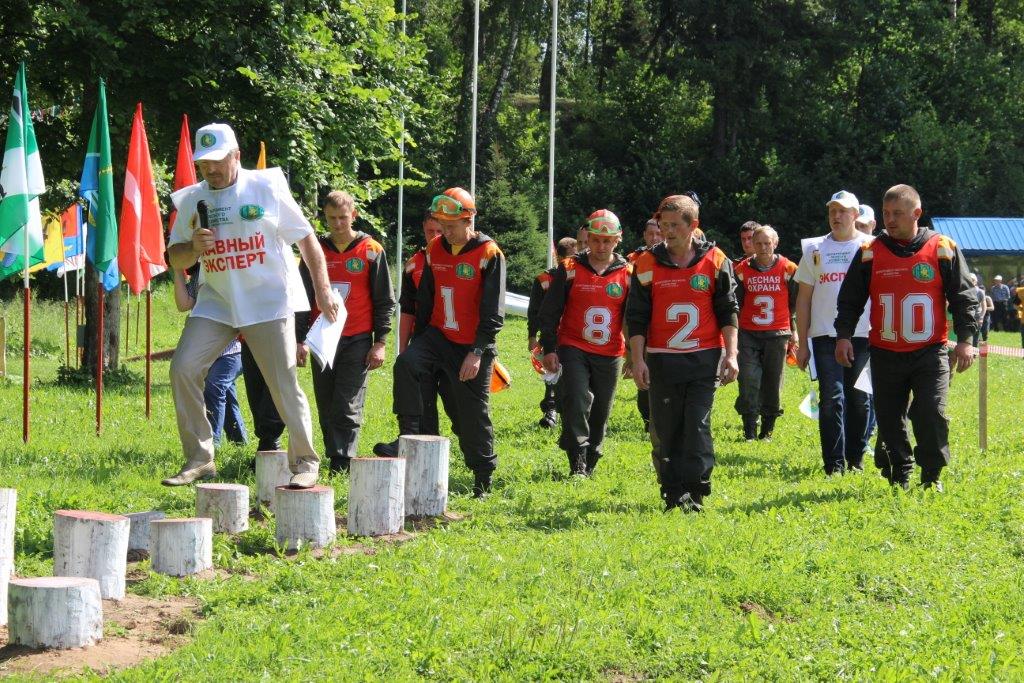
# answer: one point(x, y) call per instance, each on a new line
point(576, 515)
point(796, 500)
point(762, 466)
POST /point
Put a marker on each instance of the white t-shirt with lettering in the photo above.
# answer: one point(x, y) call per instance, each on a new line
point(823, 265)
point(250, 275)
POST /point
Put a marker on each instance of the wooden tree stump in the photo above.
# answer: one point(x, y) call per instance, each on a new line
point(180, 547)
point(426, 474)
point(55, 612)
point(92, 545)
point(305, 516)
point(271, 471)
point(8, 511)
point(138, 535)
point(226, 504)
point(376, 496)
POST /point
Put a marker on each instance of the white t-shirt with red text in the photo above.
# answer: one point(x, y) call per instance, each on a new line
point(823, 265)
point(250, 275)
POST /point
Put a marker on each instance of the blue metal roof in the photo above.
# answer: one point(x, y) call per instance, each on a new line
point(984, 236)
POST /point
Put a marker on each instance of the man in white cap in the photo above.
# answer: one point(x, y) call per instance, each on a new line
point(865, 222)
point(1000, 294)
point(240, 225)
point(842, 409)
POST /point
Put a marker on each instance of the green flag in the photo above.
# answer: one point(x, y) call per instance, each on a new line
point(21, 183)
point(97, 188)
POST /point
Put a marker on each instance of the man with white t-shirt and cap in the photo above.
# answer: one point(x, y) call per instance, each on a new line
point(240, 225)
point(842, 409)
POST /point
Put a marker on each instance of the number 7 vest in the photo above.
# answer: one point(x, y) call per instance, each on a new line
point(682, 303)
point(458, 288)
point(907, 300)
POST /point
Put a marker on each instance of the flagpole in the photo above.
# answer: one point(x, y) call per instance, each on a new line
point(551, 132)
point(149, 348)
point(401, 204)
point(127, 320)
point(26, 347)
point(99, 355)
point(67, 321)
point(476, 70)
point(138, 311)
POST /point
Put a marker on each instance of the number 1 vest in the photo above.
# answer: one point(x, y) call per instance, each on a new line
point(592, 317)
point(458, 288)
point(908, 304)
point(682, 303)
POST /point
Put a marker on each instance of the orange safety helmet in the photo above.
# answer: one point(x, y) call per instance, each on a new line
point(453, 204)
point(500, 378)
point(604, 222)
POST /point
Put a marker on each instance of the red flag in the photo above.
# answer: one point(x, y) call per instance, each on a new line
point(185, 171)
point(140, 253)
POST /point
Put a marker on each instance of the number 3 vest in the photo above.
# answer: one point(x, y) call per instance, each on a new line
point(907, 300)
point(592, 318)
point(766, 304)
point(682, 310)
point(458, 288)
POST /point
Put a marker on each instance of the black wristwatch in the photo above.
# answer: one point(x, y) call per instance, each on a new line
point(477, 351)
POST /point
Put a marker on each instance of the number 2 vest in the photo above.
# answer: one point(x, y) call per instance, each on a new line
point(766, 305)
point(593, 313)
point(682, 311)
point(458, 288)
point(349, 273)
point(907, 299)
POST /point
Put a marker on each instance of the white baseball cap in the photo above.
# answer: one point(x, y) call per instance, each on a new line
point(867, 214)
point(847, 200)
point(998, 277)
point(214, 142)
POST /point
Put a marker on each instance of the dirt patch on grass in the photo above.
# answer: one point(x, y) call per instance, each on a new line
point(135, 630)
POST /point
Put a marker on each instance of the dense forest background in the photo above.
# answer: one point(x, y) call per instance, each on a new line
point(763, 107)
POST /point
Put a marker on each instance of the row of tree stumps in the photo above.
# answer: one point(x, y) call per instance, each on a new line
point(91, 549)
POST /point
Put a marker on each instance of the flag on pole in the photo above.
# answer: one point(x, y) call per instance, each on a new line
point(261, 161)
point(140, 253)
point(53, 244)
point(21, 183)
point(74, 242)
point(185, 170)
point(97, 188)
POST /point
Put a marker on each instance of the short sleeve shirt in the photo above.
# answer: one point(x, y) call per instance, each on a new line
point(251, 274)
point(823, 265)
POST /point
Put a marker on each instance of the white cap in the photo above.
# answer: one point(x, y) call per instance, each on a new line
point(214, 142)
point(847, 200)
point(867, 214)
point(998, 277)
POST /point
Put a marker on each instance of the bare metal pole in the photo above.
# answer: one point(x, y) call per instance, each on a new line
point(401, 206)
point(476, 87)
point(551, 133)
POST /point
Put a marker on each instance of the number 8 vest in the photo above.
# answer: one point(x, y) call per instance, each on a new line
point(592, 318)
point(907, 299)
point(682, 311)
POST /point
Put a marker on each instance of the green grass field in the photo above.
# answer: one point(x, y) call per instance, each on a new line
point(788, 575)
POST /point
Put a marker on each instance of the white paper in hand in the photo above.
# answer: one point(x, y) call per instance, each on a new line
point(323, 336)
point(863, 382)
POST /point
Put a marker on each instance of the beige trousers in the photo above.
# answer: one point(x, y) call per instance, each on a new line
point(273, 346)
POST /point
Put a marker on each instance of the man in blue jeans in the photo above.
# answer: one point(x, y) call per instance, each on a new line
point(842, 409)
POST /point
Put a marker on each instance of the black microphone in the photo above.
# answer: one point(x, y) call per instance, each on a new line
point(204, 218)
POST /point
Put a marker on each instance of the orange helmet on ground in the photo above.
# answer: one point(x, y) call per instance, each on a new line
point(453, 204)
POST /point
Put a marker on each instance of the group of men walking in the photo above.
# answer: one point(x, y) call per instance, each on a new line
point(676, 315)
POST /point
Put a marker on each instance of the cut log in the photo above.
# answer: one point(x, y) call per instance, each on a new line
point(376, 496)
point(271, 471)
point(426, 474)
point(92, 545)
point(180, 547)
point(305, 517)
point(8, 511)
point(138, 536)
point(226, 504)
point(55, 612)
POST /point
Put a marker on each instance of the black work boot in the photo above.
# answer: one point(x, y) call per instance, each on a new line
point(481, 484)
point(691, 502)
point(407, 424)
point(578, 462)
point(549, 420)
point(750, 427)
point(767, 427)
point(346, 451)
point(592, 458)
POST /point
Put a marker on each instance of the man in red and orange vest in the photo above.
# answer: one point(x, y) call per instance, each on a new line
point(581, 331)
point(910, 275)
point(681, 313)
point(566, 248)
point(358, 270)
point(460, 307)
